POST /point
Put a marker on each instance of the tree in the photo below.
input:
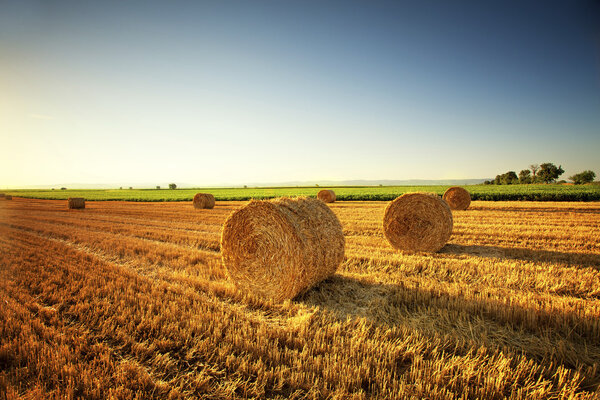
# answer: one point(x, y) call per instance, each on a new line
point(583, 177)
point(172, 186)
point(525, 176)
point(508, 178)
point(534, 169)
point(549, 172)
point(158, 187)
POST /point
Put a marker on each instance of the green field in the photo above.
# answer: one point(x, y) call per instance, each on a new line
point(555, 192)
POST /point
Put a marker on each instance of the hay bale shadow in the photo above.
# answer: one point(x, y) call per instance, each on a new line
point(577, 260)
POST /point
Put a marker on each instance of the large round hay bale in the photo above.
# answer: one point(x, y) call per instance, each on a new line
point(280, 248)
point(457, 198)
point(417, 222)
point(76, 202)
point(326, 196)
point(204, 200)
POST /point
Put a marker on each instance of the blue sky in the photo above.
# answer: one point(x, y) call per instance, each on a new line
point(230, 92)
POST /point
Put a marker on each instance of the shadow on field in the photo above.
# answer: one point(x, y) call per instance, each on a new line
point(346, 297)
point(573, 259)
point(391, 304)
point(479, 320)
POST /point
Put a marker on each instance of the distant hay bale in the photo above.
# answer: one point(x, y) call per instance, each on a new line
point(2, 195)
point(326, 196)
point(76, 202)
point(204, 200)
point(457, 198)
point(280, 248)
point(417, 222)
point(7, 197)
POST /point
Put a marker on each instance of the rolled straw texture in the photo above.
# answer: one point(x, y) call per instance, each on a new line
point(457, 198)
point(326, 196)
point(417, 222)
point(76, 202)
point(204, 200)
point(280, 248)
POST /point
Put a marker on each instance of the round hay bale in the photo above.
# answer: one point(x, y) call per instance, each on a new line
point(76, 202)
point(204, 200)
point(457, 198)
point(417, 222)
point(326, 196)
point(280, 248)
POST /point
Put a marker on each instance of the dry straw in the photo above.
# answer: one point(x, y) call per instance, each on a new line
point(76, 202)
point(417, 222)
point(326, 196)
point(204, 200)
point(280, 248)
point(457, 198)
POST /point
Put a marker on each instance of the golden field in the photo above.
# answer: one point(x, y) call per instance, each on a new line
point(130, 300)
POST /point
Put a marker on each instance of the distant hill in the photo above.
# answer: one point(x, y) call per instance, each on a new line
point(57, 186)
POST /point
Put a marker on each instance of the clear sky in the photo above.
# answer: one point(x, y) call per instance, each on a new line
point(229, 92)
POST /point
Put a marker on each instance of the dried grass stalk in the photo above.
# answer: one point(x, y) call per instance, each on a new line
point(418, 222)
point(76, 202)
point(280, 248)
point(204, 200)
point(326, 196)
point(457, 198)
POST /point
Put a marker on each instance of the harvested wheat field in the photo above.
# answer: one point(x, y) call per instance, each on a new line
point(131, 300)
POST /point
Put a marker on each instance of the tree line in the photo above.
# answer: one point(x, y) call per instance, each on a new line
point(543, 173)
